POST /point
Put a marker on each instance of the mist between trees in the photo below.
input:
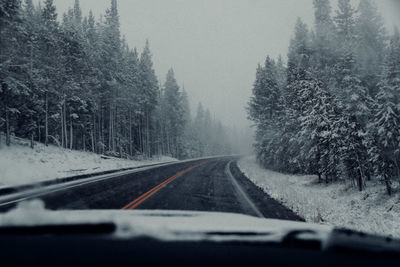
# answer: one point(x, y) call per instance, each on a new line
point(77, 84)
point(334, 109)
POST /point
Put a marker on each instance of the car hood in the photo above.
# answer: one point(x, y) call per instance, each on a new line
point(169, 225)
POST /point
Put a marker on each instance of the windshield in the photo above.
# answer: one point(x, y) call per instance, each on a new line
point(286, 110)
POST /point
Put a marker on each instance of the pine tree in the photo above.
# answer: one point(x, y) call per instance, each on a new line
point(148, 91)
point(77, 13)
point(12, 67)
point(386, 155)
point(299, 52)
point(75, 97)
point(173, 110)
point(265, 108)
point(281, 75)
point(111, 58)
point(131, 96)
point(32, 108)
point(356, 106)
point(346, 39)
point(298, 69)
point(93, 81)
point(345, 22)
point(323, 42)
point(371, 37)
point(188, 131)
point(317, 133)
point(49, 46)
point(199, 129)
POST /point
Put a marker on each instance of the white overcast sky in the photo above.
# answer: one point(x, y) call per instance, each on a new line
point(214, 46)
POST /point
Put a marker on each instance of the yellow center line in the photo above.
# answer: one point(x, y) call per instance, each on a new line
point(155, 189)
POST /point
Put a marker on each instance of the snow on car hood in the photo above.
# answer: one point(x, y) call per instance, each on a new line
point(168, 225)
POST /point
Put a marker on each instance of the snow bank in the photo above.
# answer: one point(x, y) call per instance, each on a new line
point(337, 204)
point(19, 164)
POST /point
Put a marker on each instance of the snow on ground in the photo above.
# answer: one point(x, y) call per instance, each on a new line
point(337, 204)
point(19, 164)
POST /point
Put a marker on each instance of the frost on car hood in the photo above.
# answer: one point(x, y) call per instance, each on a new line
point(168, 225)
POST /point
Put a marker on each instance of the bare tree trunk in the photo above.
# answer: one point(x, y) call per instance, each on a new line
point(359, 181)
point(83, 139)
point(113, 141)
point(161, 136)
point(140, 136)
point(168, 142)
point(148, 135)
point(360, 177)
point(388, 185)
point(110, 129)
point(39, 132)
point(32, 142)
point(103, 141)
point(159, 143)
point(8, 134)
point(71, 135)
point(120, 149)
point(31, 71)
point(92, 133)
point(396, 164)
point(62, 127)
point(116, 141)
point(101, 130)
point(65, 124)
point(143, 133)
point(46, 138)
point(130, 134)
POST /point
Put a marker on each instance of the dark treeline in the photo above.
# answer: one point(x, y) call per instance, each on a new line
point(334, 109)
point(76, 83)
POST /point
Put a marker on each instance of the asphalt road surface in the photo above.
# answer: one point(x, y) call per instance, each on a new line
point(204, 185)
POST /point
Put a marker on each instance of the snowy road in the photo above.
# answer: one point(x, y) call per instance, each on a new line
point(203, 185)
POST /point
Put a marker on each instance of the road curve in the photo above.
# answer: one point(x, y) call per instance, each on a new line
point(203, 185)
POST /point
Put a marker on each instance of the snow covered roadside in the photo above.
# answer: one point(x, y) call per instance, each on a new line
point(19, 164)
point(337, 204)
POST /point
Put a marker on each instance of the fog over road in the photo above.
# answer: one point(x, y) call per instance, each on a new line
point(201, 185)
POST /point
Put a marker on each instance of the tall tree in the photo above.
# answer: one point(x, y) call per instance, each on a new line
point(371, 37)
point(11, 67)
point(386, 157)
point(317, 121)
point(345, 22)
point(49, 41)
point(110, 56)
point(148, 99)
point(174, 119)
point(299, 52)
point(323, 42)
point(265, 108)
